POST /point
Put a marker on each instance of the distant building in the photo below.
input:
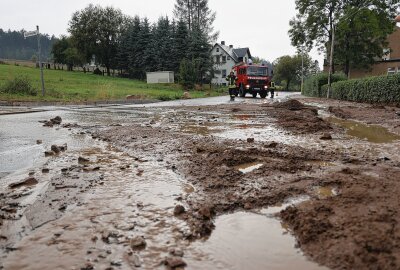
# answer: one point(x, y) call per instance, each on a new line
point(225, 58)
point(160, 77)
point(388, 65)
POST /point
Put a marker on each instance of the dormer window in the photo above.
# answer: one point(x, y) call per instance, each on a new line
point(217, 49)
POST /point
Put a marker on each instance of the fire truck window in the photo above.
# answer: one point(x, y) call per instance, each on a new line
point(257, 71)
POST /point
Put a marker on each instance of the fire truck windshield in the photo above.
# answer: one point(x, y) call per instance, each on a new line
point(257, 71)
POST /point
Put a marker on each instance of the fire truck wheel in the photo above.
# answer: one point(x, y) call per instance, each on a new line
point(263, 94)
point(254, 95)
point(242, 93)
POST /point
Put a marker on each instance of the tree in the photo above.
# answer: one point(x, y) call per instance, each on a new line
point(197, 14)
point(199, 52)
point(65, 53)
point(187, 74)
point(289, 69)
point(362, 36)
point(97, 31)
point(314, 23)
point(181, 44)
point(318, 19)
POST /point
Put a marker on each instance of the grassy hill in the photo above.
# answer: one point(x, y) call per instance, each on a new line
point(79, 87)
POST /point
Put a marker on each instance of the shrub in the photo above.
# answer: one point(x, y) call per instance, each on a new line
point(384, 89)
point(313, 85)
point(19, 85)
point(97, 71)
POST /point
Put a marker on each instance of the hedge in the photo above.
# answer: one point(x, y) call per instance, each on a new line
point(384, 89)
point(313, 85)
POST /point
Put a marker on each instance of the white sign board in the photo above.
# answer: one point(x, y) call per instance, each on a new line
point(30, 33)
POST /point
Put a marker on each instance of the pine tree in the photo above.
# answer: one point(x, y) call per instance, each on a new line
point(197, 14)
point(181, 44)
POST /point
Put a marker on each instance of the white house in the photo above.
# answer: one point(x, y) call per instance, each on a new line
point(225, 58)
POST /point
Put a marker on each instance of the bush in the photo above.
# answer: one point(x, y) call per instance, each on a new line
point(384, 89)
point(97, 71)
point(19, 85)
point(313, 85)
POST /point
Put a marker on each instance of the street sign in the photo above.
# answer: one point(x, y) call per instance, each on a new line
point(30, 33)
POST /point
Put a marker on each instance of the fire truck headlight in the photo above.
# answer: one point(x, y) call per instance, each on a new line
point(247, 86)
point(266, 87)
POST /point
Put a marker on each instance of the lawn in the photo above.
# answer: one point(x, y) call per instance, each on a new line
point(80, 87)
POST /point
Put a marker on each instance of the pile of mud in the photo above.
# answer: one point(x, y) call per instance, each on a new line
point(291, 104)
point(294, 116)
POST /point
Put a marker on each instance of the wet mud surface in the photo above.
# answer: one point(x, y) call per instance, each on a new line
point(297, 184)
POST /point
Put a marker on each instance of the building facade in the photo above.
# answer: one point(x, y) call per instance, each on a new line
point(225, 58)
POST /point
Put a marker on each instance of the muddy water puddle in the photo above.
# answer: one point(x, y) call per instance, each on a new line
point(326, 192)
point(248, 167)
point(246, 240)
point(371, 133)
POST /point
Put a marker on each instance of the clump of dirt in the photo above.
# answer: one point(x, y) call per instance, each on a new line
point(338, 112)
point(291, 104)
point(294, 116)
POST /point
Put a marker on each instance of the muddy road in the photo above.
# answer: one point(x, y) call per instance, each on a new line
point(290, 183)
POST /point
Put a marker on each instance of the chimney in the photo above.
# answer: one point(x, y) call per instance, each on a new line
point(230, 46)
point(222, 42)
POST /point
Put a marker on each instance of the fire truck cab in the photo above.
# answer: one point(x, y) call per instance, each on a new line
point(253, 79)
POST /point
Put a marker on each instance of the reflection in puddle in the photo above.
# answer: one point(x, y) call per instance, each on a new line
point(248, 241)
point(248, 167)
point(326, 192)
point(372, 133)
point(320, 163)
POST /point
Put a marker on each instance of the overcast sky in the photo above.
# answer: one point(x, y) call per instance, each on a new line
point(261, 25)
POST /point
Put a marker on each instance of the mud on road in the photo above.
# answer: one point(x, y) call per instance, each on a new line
point(156, 185)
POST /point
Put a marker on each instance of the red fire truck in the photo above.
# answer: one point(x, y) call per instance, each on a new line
point(253, 79)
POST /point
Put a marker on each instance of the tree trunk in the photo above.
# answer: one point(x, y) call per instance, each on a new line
point(287, 85)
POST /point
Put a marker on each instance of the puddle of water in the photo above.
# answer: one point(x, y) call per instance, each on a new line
point(249, 241)
point(325, 192)
point(248, 167)
point(188, 189)
point(371, 133)
point(199, 130)
point(320, 163)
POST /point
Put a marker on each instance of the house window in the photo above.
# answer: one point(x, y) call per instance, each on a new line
point(398, 70)
point(217, 59)
point(217, 49)
point(224, 59)
point(229, 59)
point(223, 73)
point(391, 71)
point(386, 54)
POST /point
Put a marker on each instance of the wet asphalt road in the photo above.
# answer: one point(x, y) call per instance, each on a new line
point(19, 127)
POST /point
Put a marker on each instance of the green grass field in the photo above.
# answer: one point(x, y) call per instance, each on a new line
point(67, 86)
